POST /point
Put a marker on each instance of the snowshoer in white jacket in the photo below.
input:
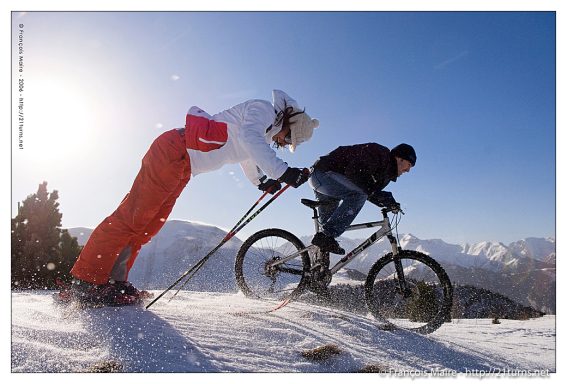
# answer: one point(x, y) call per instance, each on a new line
point(242, 134)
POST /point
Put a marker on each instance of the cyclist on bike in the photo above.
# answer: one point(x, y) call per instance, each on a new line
point(348, 176)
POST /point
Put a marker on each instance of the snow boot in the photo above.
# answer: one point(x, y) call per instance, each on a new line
point(127, 288)
point(93, 295)
point(327, 243)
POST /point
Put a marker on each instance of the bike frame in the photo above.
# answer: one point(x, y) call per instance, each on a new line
point(385, 230)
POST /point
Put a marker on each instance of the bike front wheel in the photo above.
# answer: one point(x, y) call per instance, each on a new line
point(409, 291)
point(260, 273)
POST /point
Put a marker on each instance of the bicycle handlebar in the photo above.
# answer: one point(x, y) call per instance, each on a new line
point(392, 209)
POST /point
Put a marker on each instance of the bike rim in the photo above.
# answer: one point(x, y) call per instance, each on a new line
point(271, 282)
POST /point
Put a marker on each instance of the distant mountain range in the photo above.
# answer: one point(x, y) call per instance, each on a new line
point(524, 270)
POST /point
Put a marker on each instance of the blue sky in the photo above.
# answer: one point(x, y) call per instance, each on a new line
point(473, 92)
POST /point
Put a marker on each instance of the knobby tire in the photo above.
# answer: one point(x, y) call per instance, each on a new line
point(429, 305)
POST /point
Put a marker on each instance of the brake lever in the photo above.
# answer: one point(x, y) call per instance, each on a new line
point(397, 210)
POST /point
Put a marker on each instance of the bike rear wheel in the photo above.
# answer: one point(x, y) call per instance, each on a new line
point(258, 278)
point(423, 305)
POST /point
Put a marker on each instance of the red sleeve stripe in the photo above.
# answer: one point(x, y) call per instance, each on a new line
point(203, 134)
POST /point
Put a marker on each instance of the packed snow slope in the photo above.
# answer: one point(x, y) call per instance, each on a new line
point(227, 332)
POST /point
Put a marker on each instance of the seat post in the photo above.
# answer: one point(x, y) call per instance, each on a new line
point(316, 219)
point(313, 205)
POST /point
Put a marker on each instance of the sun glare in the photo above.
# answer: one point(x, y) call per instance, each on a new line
point(59, 120)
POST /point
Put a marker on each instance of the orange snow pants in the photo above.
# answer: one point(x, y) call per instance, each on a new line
point(165, 171)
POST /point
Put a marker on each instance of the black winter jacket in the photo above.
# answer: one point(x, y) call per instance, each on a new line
point(370, 166)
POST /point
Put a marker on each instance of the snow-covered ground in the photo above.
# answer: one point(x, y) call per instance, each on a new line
point(219, 332)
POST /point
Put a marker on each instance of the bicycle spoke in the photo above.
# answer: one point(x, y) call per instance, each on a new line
point(260, 269)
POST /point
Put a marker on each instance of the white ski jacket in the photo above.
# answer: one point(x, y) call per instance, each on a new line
point(241, 134)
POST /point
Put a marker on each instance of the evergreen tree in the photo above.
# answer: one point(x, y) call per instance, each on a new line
point(422, 306)
point(20, 236)
point(37, 242)
point(70, 251)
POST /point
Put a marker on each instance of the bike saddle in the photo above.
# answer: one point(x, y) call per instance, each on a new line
point(314, 203)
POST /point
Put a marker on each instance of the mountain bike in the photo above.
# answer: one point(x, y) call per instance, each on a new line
point(404, 289)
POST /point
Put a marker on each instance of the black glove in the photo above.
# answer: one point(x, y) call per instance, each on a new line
point(383, 199)
point(270, 185)
point(295, 176)
point(395, 208)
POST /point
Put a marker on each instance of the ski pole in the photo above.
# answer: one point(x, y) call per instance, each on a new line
point(231, 234)
point(228, 236)
point(200, 262)
point(250, 210)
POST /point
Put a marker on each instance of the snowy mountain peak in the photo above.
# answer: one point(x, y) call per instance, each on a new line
point(536, 248)
point(488, 249)
point(407, 239)
point(181, 243)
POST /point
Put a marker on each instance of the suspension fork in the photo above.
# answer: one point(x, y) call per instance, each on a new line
point(402, 283)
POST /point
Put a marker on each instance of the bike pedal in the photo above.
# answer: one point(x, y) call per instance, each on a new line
point(316, 266)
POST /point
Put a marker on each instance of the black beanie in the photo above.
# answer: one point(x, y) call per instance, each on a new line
point(406, 152)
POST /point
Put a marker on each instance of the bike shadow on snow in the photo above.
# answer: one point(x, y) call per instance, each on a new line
point(398, 347)
point(143, 342)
